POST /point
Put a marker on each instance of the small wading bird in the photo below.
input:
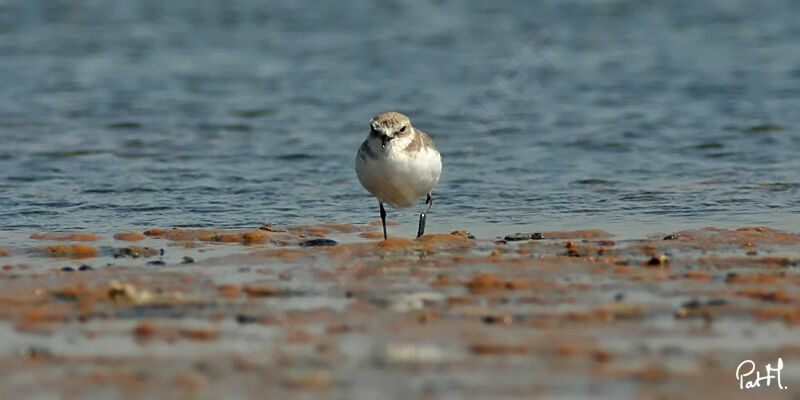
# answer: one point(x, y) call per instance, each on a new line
point(398, 164)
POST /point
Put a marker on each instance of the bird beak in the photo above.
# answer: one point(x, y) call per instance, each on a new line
point(385, 140)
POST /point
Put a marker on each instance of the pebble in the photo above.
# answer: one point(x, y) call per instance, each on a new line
point(156, 262)
point(524, 236)
point(246, 319)
point(658, 260)
point(518, 236)
point(502, 319)
point(318, 242)
point(85, 268)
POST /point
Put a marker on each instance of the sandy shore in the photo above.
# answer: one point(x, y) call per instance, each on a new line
point(333, 311)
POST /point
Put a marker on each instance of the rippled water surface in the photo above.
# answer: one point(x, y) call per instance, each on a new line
point(627, 116)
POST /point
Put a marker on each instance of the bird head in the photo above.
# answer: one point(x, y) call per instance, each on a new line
point(389, 125)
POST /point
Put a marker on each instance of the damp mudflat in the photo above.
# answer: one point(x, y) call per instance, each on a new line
point(605, 126)
point(333, 310)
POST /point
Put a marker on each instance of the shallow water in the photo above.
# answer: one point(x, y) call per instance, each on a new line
point(632, 117)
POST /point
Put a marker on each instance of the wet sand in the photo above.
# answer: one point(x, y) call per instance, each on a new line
point(334, 311)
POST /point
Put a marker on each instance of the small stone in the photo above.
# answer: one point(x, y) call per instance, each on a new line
point(246, 319)
point(156, 262)
point(501, 319)
point(68, 269)
point(318, 242)
point(518, 236)
point(187, 260)
point(658, 260)
point(85, 268)
point(670, 237)
point(537, 236)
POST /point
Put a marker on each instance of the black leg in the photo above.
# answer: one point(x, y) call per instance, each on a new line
point(383, 220)
point(428, 203)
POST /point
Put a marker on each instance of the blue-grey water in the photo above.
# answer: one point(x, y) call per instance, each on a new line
point(628, 116)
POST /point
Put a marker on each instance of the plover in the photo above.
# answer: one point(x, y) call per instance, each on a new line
point(398, 164)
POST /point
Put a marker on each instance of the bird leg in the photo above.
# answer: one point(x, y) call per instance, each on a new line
point(383, 220)
point(428, 203)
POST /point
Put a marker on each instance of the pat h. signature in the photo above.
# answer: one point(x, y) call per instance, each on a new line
point(747, 367)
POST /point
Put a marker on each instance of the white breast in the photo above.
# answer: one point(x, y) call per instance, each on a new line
point(396, 178)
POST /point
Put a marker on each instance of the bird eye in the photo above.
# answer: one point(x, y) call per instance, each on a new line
point(403, 129)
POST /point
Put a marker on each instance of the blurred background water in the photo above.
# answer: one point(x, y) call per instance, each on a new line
point(628, 116)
